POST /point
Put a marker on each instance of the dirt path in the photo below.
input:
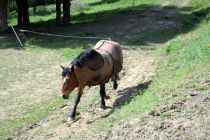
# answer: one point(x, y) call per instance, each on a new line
point(187, 119)
point(138, 68)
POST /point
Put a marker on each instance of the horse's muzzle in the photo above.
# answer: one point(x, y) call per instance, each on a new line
point(65, 96)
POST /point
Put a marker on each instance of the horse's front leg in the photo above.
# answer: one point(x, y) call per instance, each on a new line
point(77, 100)
point(103, 96)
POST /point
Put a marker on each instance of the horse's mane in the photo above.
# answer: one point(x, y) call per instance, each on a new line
point(80, 59)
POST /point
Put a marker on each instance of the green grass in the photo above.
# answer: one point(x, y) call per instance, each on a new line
point(13, 125)
point(199, 3)
point(62, 47)
point(88, 13)
point(38, 56)
point(158, 36)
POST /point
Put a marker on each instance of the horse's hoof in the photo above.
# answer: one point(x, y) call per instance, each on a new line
point(102, 107)
point(107, 97)
point(115, 86)
point(70, 119)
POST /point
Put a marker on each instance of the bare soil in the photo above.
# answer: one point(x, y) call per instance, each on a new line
point(188, 119)
point(138, 68)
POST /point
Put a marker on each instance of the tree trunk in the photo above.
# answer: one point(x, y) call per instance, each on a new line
point(34, 7)
point(3, 15)
point(23, 15)
point(66, 12)
point(58, 12)
point(19, 11)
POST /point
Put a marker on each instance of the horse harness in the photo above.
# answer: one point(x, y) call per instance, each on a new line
point(83, 75)
point(113, 68)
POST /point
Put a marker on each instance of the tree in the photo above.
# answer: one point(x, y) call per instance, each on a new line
point(3, 15)
point(34, 7)
point(66, 12)
point(58, 12)
point(23, 14)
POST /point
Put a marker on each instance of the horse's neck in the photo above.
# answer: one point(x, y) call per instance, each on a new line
point(82, 75)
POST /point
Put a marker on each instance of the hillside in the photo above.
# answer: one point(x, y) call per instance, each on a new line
point(164, 87)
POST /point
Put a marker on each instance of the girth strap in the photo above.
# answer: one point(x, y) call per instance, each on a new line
point(113, 68)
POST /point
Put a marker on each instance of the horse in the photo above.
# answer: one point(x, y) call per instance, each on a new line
point(95, 66)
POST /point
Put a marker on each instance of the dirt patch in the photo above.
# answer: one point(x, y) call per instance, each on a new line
point(165, 108)
point(185, 120)
point(138, 68)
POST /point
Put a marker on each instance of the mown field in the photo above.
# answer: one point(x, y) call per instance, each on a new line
point(176, 34)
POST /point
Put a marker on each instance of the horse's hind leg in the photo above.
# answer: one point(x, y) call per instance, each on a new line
point(114, 79)
point(103, 96)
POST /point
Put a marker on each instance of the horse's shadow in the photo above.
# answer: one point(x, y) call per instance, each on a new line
point(125, 97)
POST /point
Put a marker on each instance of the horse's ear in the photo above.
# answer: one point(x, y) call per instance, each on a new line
point(62, 67)
point(72, 68)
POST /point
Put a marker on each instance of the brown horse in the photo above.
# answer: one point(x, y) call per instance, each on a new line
point(92, 67)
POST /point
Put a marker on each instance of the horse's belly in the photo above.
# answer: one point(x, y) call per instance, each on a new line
point(103, 75)
point(112, 54)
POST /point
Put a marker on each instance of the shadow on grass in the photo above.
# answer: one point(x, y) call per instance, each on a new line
point(9, 41)
point(126, 95)
point(43, 12)
point(138, 26)
point(103, 2)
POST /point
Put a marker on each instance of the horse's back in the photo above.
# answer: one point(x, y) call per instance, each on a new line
point(114, 49)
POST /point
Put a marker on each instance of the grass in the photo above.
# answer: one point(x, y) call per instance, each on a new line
point(153, 36)
point(13, 125)
point(88, 7)
point(62, 47)
point(184, 63)
point(29, 89)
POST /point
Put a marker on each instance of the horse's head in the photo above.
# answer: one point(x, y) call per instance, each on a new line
point(69, 81)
